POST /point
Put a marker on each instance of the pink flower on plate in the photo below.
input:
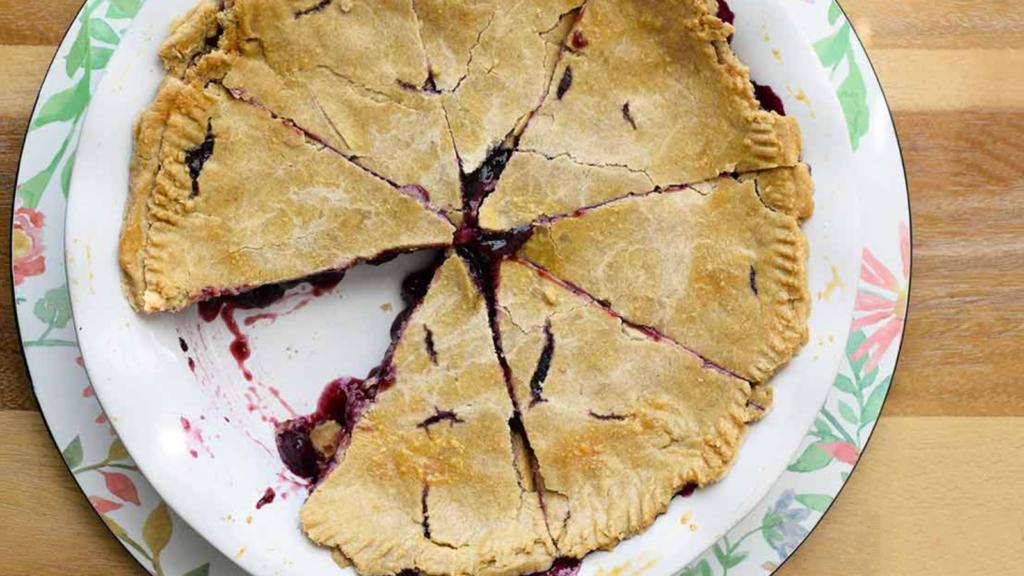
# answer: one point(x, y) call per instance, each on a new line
point(881, 302)
point(27, 244)
point(842, 451)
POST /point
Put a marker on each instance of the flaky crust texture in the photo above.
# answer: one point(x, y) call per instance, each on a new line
point(621, 422)
point(436, 495)
point(731, 283)
point(629, 338)
point(254, 215)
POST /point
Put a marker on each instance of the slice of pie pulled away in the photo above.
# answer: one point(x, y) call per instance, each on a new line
point(623, 269)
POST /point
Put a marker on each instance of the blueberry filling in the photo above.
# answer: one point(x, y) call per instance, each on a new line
point(565, 83)
point(440, 416)
point(313, 9)
point(543, 365)
point(196, 157)
point(753, 279)
point(267, 498)
point(768, 99)
point(295, 447)
point(561, 567)
point(428, 342)
point(607, 417)
point(342, 402)
point(725, 13)
point(426, 512)
point(627, 116)
point(430, 84)
point(577, 41)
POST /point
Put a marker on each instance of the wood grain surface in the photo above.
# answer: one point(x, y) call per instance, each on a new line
point(940, 489)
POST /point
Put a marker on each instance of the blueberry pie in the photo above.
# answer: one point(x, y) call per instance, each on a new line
point(623, 267)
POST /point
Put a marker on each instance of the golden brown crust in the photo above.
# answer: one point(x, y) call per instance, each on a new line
point(262, 214)
point(189, 37)
point(788, 190)
point(361, 105)
point(684, 112)
point(446, 474)
point(533, 186)
point(614, 437)
point(498, 86)
point(441, 497)
point(148, 135)
point(731, 284)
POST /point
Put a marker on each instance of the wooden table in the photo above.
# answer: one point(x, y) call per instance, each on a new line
point(941, 488)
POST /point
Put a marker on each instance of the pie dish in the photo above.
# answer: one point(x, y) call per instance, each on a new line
point(624, 273)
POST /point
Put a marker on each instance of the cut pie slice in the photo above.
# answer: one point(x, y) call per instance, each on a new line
point(430, 480)
point(619, 421)
point(647, 95)
point(225, 198)
point(712, 267)
point(368, 108)
point(493, 62)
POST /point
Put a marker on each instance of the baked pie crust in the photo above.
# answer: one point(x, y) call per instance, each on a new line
point(728, 277)
point(430, 481)
point(624, 267)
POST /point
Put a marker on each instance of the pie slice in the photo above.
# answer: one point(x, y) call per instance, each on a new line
point(492, 61)
point(225, 198)
point(284, 56)
point(647, 95)
point(619, 421)
point(430, 480)
point(712, 267)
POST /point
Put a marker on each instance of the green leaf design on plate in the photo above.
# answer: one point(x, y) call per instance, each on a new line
point(873, 406)
point(813, 458)
point(845, 384)
point(817, 502)
point(203, 570)
point(847, 413)
point(79, 50)
point(98, 57)
point(772, 535)
point(54, 308)
point(117, 451)
point(123, 8)
point(156, 532)
point(64, 105)
point(852, 93)
point(100, 30)
point(73, 453)
point(852, 344)
point(65, 175)
point(701, 569)
point(833, 12)
point(868, 380)
point(31, 191)
point(728, 560)
point(853, 97)
point(822, 427)
point(834, 48)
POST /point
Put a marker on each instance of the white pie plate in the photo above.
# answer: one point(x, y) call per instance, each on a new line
point(142, 376)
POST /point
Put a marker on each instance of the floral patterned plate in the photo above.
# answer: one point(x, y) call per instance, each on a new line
point(166, 545)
